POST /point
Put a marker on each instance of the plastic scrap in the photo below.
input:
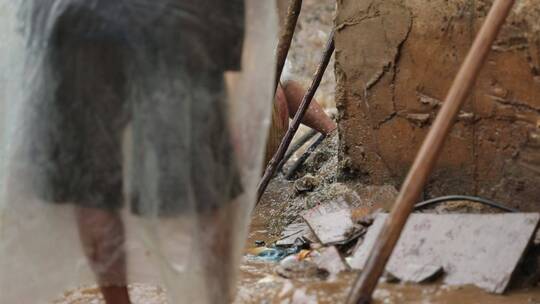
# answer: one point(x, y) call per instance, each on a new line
point(272, 254)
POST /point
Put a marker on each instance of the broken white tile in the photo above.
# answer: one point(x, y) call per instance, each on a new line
point(330, 228)
point(479, 249)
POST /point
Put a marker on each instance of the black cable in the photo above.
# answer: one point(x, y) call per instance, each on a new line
point(476, 199)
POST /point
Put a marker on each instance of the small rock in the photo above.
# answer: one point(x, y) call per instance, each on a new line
point(292, 268)
point(500, 92)
point(306, 184)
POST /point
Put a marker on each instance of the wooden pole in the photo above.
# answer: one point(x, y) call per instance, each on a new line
point(427, 156)
point(306, 101)
point(286, 37)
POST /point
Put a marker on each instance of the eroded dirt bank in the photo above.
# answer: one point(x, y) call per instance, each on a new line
point(395, 61)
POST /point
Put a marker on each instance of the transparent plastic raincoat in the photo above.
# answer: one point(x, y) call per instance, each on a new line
point(132, 141)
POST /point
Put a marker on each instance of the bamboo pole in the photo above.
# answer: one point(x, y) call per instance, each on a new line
point(306, 101)
point(286, 37)
point(427, 156)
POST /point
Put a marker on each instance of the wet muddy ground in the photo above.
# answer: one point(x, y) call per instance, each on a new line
point(260, 283)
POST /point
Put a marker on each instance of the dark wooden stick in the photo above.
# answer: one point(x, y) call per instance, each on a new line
point(427, 156)
point(286, 37)
point(278, 156)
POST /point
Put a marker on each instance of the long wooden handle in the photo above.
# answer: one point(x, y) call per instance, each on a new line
point(306, 101)
point(428, 154)
point(286, 37)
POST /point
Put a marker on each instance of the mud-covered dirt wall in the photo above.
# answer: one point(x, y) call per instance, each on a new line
point(395, 60)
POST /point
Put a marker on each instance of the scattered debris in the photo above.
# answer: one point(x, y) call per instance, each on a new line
point(479, 249)
point(272, 254)
point(304, 254)
point(293, 232)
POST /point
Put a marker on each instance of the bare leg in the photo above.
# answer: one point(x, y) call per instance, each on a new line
point(280, 124)
point(287, 101)
point(315, 117)
point(102, 237)
point(282, 108)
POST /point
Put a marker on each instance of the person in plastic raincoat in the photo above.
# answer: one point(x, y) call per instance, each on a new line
point(159, 65)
